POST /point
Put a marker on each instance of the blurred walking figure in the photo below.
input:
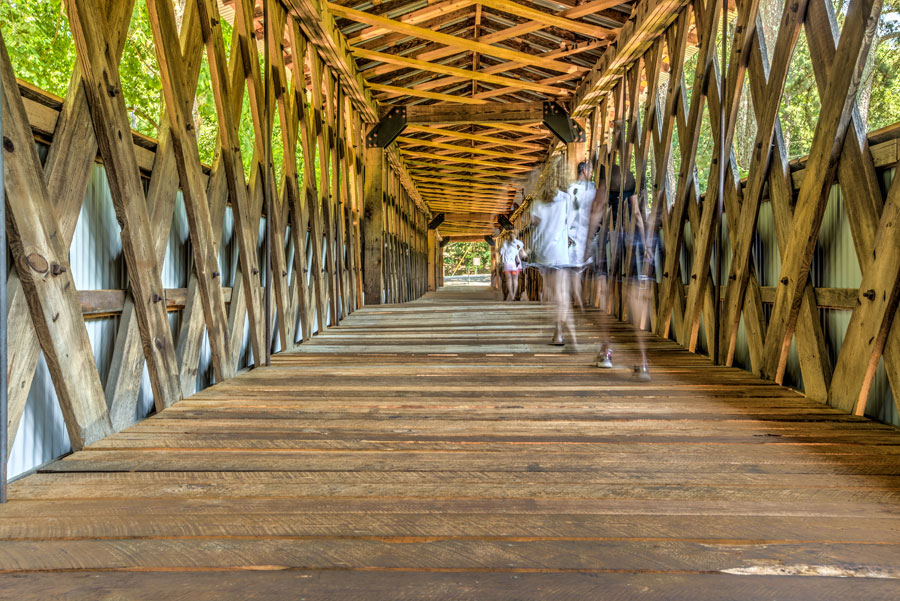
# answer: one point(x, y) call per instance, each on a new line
point(511, 255)
point(551, 248)
point(581, 199)
point(638, 290)
point(602, 210)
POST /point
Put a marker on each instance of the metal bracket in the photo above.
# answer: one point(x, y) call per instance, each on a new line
point(436, 222)
point(445, 241)
point(386, 131)
point(505, 223)
point(579, 131)
point(557, 120)
point(490, 240)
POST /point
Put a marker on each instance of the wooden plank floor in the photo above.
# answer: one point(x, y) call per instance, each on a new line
point(442, 450)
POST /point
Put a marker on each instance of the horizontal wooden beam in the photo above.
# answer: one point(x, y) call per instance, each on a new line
point(406, 141)
point(471, 217)
point(475, 176)
point(464, 182)
point(445, 168)
point(511, 112)
point(494, 198)
point(471, 195)
point(400, 91)
point(826, 298)
point(467, 237)
point(106, 303)
point(456, 198)
point(449, 133)
point(499, 80)
point(499, 193)
point(468, 161)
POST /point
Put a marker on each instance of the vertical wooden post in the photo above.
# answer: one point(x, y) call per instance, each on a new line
point(4, 397)
point(358, 208)
point(432, 261)
point(373, 226)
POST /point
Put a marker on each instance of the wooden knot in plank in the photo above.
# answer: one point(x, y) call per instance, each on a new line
point(37, 262)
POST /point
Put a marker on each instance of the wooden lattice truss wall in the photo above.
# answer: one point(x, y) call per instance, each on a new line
point(319, 110)
point(840, 153)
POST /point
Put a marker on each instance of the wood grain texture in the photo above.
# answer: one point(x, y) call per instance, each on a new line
point(66, 174)
point(103, 90)
point(37, 247)
point(441, 447)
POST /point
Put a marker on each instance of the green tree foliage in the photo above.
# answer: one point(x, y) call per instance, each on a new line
point(459, 258)
point(42, 51)
point(139, 73)
point(39, 42)
point(878, 98)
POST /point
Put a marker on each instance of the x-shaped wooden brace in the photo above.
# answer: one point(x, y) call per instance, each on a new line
point(66, 174)
point(102, 86)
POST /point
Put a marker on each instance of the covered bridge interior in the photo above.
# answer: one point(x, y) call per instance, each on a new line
point(234, 370)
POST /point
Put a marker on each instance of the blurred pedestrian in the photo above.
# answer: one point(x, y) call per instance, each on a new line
point(551, 246)
point(511, 256)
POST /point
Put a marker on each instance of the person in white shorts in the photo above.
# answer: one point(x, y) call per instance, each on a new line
point(510, 255)
point(581, 198)
point(551, 247)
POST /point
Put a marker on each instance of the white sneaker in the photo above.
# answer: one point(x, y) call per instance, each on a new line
point(604, 359)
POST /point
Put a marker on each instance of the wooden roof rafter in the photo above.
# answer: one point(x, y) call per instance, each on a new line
point(435, 67)
point(452, 41)
point(451, 62)
point(417, 17)
point(319, 25)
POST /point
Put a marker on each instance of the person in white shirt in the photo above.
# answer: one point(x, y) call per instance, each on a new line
point(581, 198)
point(551, 236)
point(510, 255)
point(551, 247)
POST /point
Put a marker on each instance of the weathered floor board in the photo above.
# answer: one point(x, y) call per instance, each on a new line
point(442, 450)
